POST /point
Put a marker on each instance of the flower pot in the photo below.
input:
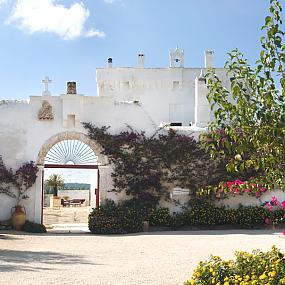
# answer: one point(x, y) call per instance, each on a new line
point(55, 202)
point(18, 217)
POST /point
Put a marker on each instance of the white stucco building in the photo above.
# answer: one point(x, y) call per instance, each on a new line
point(144, 98)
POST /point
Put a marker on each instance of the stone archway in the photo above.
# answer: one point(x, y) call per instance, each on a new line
point(102, 159)
point(104, 167)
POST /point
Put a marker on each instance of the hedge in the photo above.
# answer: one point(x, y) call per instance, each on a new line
point(114, 219)
point(111, 218)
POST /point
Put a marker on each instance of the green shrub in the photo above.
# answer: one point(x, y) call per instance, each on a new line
point(31, 227)
point(177, 220)
point(258, 268)
point(111, 218)
point(127, 217)
point(207, 214)
point(249, 216)
point(204, 214)
point(159, 217)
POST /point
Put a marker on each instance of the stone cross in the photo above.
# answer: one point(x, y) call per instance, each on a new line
point(46, 82)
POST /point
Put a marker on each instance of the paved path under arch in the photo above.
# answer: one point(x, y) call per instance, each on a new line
point(157, 258)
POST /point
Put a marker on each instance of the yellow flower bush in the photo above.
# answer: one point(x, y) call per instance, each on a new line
point(256, 268)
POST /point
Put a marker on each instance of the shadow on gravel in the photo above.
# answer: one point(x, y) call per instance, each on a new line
point(9, 237)
point(194, 232)
point(153, 231)
point(15, 260)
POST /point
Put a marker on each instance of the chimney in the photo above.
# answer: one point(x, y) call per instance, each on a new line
point(110, 62)
point(141, 60)
point(209, 59)
point(71, 88)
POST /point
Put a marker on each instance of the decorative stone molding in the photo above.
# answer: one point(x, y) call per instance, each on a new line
point(102, 159)
point(45, 113)
point(13, 102)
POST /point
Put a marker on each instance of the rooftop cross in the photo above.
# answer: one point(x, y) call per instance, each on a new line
point(46, 82)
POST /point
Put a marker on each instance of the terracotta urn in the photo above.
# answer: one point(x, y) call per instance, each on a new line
point(18, 217)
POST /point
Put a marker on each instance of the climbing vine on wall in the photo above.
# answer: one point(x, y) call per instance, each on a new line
point(16, 184)
point(148, 167)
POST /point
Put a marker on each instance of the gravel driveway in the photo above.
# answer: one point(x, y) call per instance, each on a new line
point(148, 258)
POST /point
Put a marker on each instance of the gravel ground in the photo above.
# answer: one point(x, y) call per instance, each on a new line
point(155, 258)
point(66, 215)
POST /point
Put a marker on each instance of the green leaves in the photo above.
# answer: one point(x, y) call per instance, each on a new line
point(252, 111)
point(268, 19)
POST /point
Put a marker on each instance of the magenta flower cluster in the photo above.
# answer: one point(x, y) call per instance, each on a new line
point(272, 206)
point(239, 187)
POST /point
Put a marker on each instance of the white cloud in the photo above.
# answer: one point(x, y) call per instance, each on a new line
point(112, 1)
point(48, 16)
point(94, 33)
point(2, 2)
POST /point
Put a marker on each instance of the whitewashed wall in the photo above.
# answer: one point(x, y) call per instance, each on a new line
point(140, 97)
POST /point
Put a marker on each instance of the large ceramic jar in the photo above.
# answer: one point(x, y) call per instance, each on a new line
point(18, 217)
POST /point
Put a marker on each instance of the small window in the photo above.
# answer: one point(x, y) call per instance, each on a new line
point(126, 84)
point(176, 85)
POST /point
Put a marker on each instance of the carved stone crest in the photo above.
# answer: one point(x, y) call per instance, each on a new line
point(45, 112)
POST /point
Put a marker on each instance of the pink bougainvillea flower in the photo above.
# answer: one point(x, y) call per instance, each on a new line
point(238, 182)
point(262, 189)
point(267, 221)
point(257, 194)
point(246, 190)
point(269, 206)
point(274, 201)
point(283, 205)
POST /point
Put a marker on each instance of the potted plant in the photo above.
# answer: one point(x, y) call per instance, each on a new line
point(16, 185)
point(55, 182)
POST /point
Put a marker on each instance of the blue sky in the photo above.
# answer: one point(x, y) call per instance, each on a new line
point(68, 39)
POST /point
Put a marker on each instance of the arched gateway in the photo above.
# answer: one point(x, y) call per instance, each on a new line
point(73, 150)
point(102, 160)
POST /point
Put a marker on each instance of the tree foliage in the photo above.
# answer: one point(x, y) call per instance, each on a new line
point(55, 182)
point(249, 128)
